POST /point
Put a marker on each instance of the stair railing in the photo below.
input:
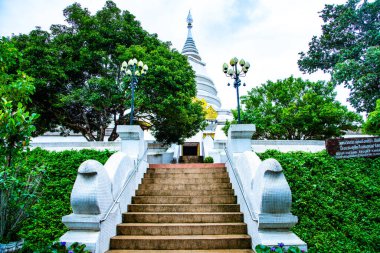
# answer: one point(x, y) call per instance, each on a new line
point(237, 178)
point(131, 175)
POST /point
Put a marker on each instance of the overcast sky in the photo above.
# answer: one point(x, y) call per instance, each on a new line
point(267, 33)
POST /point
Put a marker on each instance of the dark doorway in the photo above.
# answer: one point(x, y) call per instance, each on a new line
point(190, 149)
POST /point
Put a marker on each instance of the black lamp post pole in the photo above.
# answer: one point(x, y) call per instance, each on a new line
point(236, 85)
point(133, 86)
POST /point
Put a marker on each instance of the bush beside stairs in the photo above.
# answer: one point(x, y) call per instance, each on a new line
point(183, 208)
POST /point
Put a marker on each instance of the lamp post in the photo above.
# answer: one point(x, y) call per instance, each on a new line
point(133, 70)
point(235, 72)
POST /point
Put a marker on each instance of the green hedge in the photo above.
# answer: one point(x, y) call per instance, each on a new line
point(45, 225)
point(337, 201)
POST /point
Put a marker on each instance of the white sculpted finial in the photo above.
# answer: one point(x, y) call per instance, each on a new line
point(189, 19)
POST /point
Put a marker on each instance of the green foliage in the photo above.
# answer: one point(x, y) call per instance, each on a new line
point(16, 125)
point(60, 247)
point(166, 94)
point(15, 85)
point(349, 50)
point(45, 225)
point(80, 85)
point(41, 60)
point(18, 182)
point(279, 249)
point(294, 109)
point(16, 128)
point(228, 123)
point(294, 249)
point(226, 127)
point(336, 201)
point(372, 125)
point(208, 159)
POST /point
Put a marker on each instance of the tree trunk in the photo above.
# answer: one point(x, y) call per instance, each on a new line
point(114, 134)
point(101, 133)
point(117, 122)
point(3, 212)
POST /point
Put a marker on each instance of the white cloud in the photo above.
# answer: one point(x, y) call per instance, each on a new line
point(267, 33)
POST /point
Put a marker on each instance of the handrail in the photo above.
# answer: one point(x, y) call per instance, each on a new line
point(135, 169)
point(253, 217)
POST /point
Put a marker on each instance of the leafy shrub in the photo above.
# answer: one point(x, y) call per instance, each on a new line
point(208, 159)
point(372, 125)
point(60, 247)
point(278, 249)
point(45, 225)
point(336, 201)
point(18, 183)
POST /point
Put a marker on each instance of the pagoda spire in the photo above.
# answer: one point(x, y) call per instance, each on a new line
point(189, 48)
point(189, 24)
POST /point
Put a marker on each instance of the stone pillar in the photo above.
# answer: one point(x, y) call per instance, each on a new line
point(132, 140)
point(239, 137)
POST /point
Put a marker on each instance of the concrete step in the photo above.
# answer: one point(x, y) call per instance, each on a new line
point(215, 199)
point(184, 192)
point(187, 175)
point(211, 186)
point(131, 217)
point(186, 170)
point(181, 228)
point(192, 165)
point(183, 251)
point(190, 159)
point(184, 180)
point(181, 242)
point(200, 208)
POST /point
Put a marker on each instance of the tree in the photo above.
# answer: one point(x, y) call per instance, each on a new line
point(294, 109)
point(372, 125)
point(15, 85)
point(18, 184)
point(349, 50)
point(80, 83)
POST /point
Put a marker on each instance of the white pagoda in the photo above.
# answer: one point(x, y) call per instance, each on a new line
point(205, 86)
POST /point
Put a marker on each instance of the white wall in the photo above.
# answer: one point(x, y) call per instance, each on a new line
point(260, 146)
point(60, 146)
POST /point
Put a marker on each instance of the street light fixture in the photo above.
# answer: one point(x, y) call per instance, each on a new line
point(234, 72)
point(133, 70)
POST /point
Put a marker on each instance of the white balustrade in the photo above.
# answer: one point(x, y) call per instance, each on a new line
point(102, 193)
point(263, 193)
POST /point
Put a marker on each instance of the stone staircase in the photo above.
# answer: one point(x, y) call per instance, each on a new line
point(183, 208)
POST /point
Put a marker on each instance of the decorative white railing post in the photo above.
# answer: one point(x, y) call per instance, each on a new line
point(90, 199)
point(262, 191)
point(132, 140)
point(272, 201)
point(102, 193)
point(239, 137)
point(133, 144)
